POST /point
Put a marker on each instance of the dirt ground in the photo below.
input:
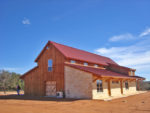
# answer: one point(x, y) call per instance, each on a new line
point(10, 92)
point(22, 104)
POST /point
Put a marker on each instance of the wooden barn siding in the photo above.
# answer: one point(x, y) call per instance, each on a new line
point(82, 63)
point(32, 83)
point(35, 80)
point(58, 69)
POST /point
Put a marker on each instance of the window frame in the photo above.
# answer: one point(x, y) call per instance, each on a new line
point(50, 65)
point(99, 85)
point(127, 85)
point(48, 47)
point(72, 61)
point(131, 73)
point(85, 64)
point(95, 65)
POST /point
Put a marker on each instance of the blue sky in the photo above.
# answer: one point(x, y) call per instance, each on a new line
point(117, 29)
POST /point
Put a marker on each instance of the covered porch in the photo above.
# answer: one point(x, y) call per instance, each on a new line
point(115, 87)
point(102, 83)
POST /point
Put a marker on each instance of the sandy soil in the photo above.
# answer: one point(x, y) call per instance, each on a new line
point(22, 104)
point(10, 92)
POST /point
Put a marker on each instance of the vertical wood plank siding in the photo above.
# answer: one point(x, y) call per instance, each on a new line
point(35, 80)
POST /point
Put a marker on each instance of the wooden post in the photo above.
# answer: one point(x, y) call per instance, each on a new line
point(109, 88)
point(121, 87)
point(138, 86)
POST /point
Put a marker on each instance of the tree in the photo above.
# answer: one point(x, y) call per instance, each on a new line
point(4, 80)
point(10, 80)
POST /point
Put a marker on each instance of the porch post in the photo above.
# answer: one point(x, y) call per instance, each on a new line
point(121, 86)
point(109, 88)
point(138, 86)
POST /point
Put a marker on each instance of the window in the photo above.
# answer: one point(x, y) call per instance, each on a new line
point(95, 65)
point(131, 73)
point(47, 47)
point(99, 86)
point(126, 85)
point(72, 61)
point(50, 64)
point(85, 64)
point(115, 82)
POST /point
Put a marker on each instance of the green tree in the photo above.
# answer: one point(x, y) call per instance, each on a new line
point(4, 80)
point(10, 80)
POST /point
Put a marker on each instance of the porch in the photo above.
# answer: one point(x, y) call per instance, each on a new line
point(123, 95)
point(112, 87)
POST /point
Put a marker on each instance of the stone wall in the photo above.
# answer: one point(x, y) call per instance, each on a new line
point(78, 84)
point(115, 89)
point(132, 88)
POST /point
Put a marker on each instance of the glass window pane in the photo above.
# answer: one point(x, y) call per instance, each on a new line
point(50, 63)
point(126, 85)
point(85, 64)
point(99, 86)
point(72, 61)
point(49, 68)
point(95, 65)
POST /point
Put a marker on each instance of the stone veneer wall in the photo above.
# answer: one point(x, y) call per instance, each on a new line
point(115, 89)
point(100, 95)
point(132, 88)
point(78, 84)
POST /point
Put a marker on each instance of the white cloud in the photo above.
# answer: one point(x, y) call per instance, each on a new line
point(129, 36)
point(136, 56)
point(126, 36)
point(26, 21)
point(127, 56)
point(145, 33)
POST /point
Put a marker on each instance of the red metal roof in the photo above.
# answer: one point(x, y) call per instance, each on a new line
point(101, 72)
point(123, 67)
point(76, 54)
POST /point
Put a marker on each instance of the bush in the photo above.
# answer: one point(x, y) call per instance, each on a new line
point(145, 85)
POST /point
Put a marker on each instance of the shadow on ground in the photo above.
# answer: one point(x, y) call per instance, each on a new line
point(23, 97)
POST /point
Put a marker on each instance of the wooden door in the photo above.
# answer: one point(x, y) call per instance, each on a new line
point(51, 88)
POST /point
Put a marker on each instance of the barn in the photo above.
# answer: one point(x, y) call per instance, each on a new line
point(73, 73)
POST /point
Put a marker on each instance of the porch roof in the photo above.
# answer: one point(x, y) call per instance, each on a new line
point(102, 72)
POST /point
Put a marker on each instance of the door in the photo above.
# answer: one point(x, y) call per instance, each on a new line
point(51, 88)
